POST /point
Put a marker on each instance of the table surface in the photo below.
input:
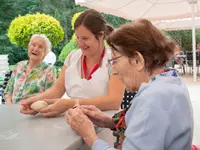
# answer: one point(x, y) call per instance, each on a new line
point(23, 132)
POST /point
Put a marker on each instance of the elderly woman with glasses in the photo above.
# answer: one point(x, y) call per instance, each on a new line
point(33, 76)
point(160, 116)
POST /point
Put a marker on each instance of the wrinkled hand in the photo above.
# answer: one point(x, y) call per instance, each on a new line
point(82, 125)
point(97, 116)
point(57, 108)
point(9, 101)
point(25, 106)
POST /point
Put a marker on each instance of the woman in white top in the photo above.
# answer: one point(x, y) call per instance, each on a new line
point(85, 76)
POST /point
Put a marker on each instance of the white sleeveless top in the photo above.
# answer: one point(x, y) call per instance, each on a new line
point(82, 88)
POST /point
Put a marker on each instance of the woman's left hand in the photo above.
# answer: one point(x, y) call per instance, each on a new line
point(55, 109)
point(82, 125)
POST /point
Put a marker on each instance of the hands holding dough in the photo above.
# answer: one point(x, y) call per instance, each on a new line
point(47, 108)
point(37, 106)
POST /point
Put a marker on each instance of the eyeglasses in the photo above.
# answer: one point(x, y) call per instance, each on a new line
point(113, 60)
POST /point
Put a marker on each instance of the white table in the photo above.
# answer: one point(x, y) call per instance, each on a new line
point(22, 132)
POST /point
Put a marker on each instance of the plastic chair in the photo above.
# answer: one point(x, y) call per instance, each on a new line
point(5, 82)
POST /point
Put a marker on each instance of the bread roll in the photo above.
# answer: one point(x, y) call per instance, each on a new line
point(39, 105)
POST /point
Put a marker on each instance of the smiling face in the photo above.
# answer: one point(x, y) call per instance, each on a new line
point(87, 41)
point(36, 49)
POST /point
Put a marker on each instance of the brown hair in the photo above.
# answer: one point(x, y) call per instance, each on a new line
point(141, 36)
point(94, 22)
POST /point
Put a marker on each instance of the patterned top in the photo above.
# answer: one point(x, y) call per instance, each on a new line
point(21, 86)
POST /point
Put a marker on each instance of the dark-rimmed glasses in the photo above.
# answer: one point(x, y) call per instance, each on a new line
point(113, 60)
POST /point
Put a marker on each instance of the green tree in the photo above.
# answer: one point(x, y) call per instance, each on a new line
point(9, 9)
point(115, 20)
point(184, 38)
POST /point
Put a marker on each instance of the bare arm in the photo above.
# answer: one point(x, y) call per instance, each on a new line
point(112, 100)
point(109, 102)
point(8, 98)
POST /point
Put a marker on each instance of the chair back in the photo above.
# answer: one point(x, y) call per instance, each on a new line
point(189, 58)
point(4, 84)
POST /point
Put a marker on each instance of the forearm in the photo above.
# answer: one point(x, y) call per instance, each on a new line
point(90, 139)
point(8, 98)
point(103, 102)
point(50, 93)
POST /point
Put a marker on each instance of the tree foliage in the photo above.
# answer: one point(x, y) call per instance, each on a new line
point(184, 38)
point(23, 27)
point(63, 11)
point(72, 44)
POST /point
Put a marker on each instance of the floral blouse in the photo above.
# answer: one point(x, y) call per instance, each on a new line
point(21, 86)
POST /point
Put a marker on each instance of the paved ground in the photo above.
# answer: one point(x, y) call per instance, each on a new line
point(194, 90)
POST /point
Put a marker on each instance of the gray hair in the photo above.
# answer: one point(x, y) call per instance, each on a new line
point(47, 42)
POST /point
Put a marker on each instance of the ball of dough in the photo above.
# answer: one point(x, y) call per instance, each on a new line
point(39, 105)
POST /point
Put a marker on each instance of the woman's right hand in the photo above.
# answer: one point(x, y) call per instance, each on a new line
point(97, 116)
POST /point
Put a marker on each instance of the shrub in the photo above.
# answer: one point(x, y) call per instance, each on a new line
point(74, 19)
point(72, 45)
point(22, 28)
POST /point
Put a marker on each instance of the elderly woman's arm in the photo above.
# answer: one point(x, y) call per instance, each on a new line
point(10, 87)
point(8, 98)
point(79, 121)
point(146, 129)
point(56, 91)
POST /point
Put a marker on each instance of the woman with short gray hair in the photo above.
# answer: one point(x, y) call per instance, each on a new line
point(32, 76)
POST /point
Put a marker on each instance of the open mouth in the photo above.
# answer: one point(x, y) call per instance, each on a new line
point(85, 48)
point(35, 54)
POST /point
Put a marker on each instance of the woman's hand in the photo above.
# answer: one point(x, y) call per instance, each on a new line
point(82, 125)
point(56, 107)
point(26, 106)
point(9, 101)
point(97, 116)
